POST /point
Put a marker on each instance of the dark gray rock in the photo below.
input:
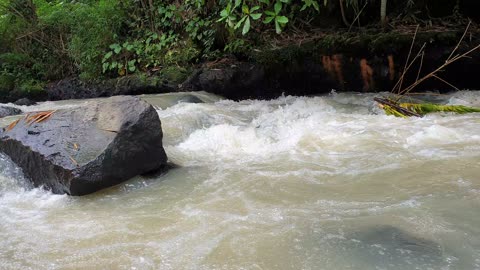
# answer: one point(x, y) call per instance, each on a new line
point(74, 88)
point(237, 80)
point(24, 102)
point(7, 111)
point(79, 151)
point(190, 99)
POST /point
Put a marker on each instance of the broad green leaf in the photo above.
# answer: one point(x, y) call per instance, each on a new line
point(268, 20)
point(245, 9)
point(246, 26)
point(105, 67)
point(282, 19)
point(240, 22)
point(255, 8)
point(277, 7)
point(256, 16)
point(108, 55)
point(278, 29)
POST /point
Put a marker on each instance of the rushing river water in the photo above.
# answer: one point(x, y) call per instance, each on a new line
point(293, 183)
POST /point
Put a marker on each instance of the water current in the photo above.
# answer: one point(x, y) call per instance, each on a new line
point(327, 182)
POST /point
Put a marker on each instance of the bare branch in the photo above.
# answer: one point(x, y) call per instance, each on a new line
point(460, 41)
point(447, 83)
point(408, 59)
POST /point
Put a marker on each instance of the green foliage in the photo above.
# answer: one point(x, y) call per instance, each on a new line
point(246, 14)
point(43, 40)
point(160, 35)
point(32, 88)
point(55, 39)
point(274, 16)
point(137, 54)
point(93, 31)
point(7, 83)
point(202, 31)
point(238, 47)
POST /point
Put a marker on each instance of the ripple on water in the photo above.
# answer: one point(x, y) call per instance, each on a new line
point(293, 183)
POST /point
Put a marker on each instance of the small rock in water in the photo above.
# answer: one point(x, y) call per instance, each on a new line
point(8, 111)
point(82, 150)
point(24, 102)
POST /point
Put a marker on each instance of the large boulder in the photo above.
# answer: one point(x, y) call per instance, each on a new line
point(79, 151)
point(7, 111)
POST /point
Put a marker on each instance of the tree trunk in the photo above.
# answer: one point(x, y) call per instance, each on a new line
point(383, 12)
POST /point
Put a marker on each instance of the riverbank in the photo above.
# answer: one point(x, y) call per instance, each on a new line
point(366, 60)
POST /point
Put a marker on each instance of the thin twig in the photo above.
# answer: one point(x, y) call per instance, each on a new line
point(431, 74)
point(421, 65)
point(447, 83)
point(408, 58)
point(357, 17)
point(465, 54)
point(460, 41)
point(421, 94)
point(398, 84)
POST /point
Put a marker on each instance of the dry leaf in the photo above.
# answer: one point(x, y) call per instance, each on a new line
point(12, 125)
point(38, 117)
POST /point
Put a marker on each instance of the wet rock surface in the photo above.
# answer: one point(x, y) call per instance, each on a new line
point(74, 88)
point(8, 111)
point(82, 150)
point(24, 102)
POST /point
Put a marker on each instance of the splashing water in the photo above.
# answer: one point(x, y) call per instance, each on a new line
point(294, 183)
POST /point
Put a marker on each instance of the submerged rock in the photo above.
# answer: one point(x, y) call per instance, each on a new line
point(388, 246)
point(390, 236)
point(7, 111)
point(190, 99)
point(79, 151)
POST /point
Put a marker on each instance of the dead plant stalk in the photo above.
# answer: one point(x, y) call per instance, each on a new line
point(421, 53)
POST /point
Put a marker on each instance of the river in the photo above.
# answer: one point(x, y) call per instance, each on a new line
point(326, 182)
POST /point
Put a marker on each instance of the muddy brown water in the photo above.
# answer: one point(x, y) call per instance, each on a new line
point(293, 183)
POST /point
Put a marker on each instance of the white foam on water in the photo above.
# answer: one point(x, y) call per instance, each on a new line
point(278, 184)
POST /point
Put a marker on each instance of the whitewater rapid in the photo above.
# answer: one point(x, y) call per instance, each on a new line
point(327, 182)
